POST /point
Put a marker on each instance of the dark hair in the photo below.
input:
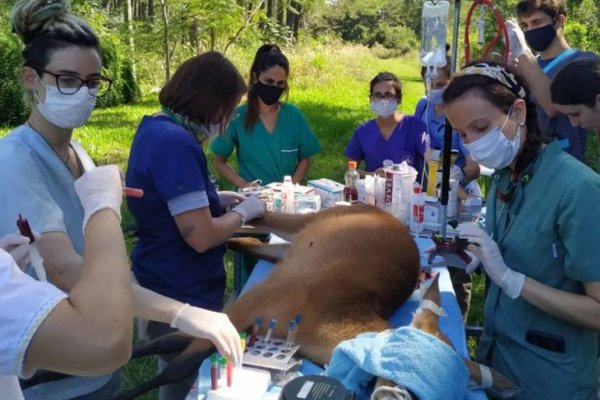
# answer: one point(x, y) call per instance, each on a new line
point(203, 87)
point(577, 83)
point(267, 56)
point(553, 8)
point(502, 97)
point(45, 26)
point(387, 77)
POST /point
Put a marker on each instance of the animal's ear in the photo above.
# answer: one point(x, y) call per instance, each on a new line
point(258, 249)
point(491, 380)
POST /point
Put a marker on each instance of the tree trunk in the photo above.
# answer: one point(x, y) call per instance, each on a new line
point(296, 22)
point(282, 13)
point(130, 34)
point(165, 19)
point(151, 9)
point(195, 35)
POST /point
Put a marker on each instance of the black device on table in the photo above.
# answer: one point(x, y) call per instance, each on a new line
point(452, 249)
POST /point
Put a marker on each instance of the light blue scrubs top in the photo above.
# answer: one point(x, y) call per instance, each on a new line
point(36, 183)
point(549, 232)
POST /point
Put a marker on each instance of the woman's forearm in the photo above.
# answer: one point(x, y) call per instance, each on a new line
point(579, 309)
point(227, 172)
point(301, 170)
point(90, 332)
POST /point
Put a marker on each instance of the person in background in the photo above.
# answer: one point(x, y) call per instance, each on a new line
point(431, 111)
point(543, 302)
point(39, 163)
point(575, 91)
point(543, 23)
point(181, 231)
point(87, 331)
point(391, 135)
point(271, 138)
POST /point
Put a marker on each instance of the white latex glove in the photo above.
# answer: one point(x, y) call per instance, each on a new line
point(100, 188)
point(251, 208)
point(456, 173)
point(18, 247)
point(517, 44)
point(487, 251)
point(214, 326)
point(230, 198)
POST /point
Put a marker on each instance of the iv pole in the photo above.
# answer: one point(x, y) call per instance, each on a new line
point(448, 131)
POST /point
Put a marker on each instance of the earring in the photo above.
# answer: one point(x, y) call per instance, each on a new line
point(522, 123)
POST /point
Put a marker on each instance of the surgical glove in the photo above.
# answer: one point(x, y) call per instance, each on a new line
point(214, 326)
point(457, 173)
point(484, 247)
point(228, 198)
point(100, 188)
point(517, 44)
point(18, 247)
point(250, 208)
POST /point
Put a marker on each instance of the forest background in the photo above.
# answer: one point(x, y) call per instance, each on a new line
point(335, 47)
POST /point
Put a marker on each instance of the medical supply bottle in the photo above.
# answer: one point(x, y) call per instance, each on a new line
point(417, 210)
point(351, 178)
point(287, 191)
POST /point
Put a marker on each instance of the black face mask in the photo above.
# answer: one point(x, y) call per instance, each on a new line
point(269, 94)
point(540, 38)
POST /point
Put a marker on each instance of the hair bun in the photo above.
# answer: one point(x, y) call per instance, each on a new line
point(267, 48)
point(32, 17)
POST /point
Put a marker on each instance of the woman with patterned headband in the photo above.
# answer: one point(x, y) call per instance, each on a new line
point(542, 309)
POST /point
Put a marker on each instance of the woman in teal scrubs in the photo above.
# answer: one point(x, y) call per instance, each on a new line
point(271, 138)
point(542, 309)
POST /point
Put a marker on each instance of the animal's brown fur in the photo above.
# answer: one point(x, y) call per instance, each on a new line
point(346, 271)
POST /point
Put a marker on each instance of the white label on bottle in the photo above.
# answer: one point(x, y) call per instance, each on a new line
point(305, 390)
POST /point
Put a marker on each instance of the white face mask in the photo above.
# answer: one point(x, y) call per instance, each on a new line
point(494, 149)
point(66, 111)
point(435, 96)
point(384, 108)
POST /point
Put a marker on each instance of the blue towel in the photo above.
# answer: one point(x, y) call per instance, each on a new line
point(412, 358)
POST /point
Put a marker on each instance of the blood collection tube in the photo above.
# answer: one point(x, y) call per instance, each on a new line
point(214, 372)
point(255, 329)
point(24, 228)
point(133, 192)
point(289, 342)
point(229, 373)
point(272, 324)
point(223, 370)
point(243, 338)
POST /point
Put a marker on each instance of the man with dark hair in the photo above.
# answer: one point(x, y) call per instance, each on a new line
point(542, 23)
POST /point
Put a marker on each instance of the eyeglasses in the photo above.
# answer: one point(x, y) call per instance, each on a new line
point(385, 96)
point(70, 84)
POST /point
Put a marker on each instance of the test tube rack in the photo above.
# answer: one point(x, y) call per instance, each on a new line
point(274, 354)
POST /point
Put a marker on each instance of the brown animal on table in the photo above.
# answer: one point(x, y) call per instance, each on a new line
point(346, 270)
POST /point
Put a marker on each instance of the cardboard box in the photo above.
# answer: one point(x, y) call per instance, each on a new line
point(329, 190)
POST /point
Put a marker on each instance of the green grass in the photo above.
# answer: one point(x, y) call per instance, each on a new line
point(330, 83)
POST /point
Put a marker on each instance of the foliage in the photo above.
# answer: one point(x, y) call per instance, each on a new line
point(12, 102)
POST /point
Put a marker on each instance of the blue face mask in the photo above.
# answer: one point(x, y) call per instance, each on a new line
point(435, 96)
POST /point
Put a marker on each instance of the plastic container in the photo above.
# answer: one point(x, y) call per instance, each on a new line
point(287, 192)
point(417, 213)
point(351, 178)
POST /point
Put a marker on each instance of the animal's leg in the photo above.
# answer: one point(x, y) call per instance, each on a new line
point(172, 343)
point(42, 376)
point(258, 249)
point(318, 344)
point(182, 366)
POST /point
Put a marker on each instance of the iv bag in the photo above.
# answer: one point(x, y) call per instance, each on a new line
point(433, 33)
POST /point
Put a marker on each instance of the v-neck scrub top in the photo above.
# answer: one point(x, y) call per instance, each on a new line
point(407, 142)
point(268, 156)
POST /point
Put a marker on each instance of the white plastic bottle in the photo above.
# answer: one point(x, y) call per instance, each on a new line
point(417, 210)
point(287, 191)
